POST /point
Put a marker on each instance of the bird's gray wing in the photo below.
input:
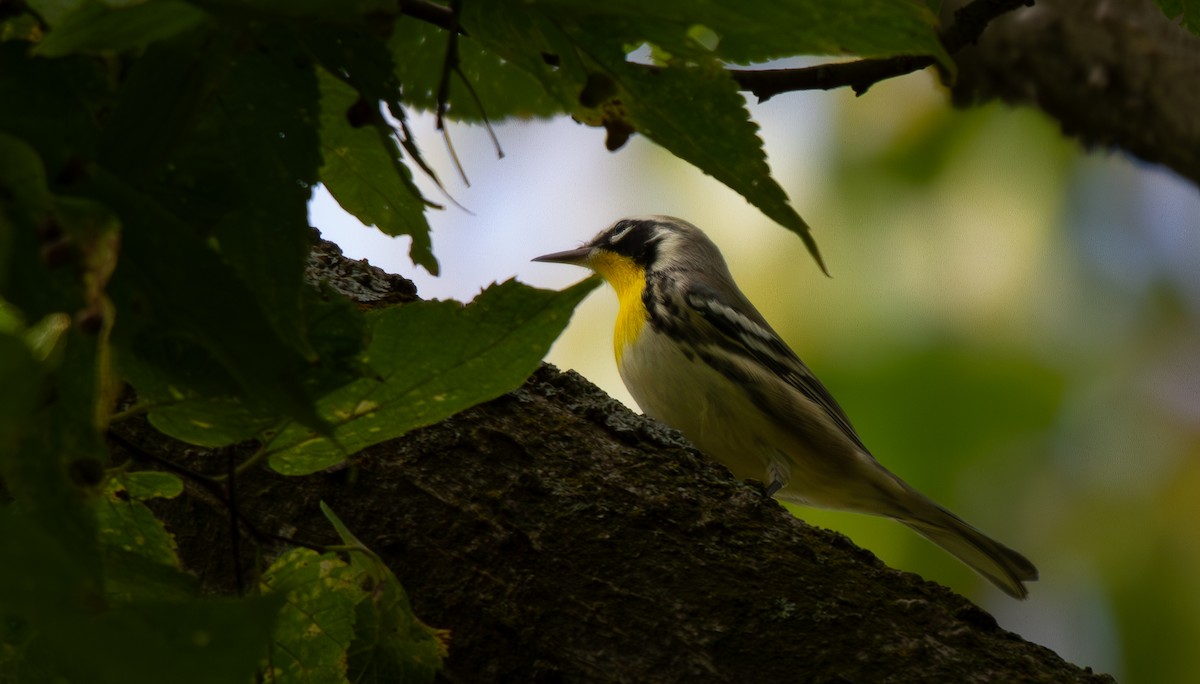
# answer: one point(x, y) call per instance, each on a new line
point(743, 331)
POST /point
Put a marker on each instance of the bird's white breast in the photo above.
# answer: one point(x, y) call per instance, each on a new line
point(689, 395)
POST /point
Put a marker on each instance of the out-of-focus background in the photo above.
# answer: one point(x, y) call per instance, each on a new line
point(1013, 326)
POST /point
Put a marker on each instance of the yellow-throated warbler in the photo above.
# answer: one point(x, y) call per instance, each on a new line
point(696, 355)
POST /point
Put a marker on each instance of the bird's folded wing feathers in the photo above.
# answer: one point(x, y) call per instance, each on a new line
point(749, 335)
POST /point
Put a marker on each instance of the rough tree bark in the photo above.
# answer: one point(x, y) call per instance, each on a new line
point(561, 538)
point(1114, 73)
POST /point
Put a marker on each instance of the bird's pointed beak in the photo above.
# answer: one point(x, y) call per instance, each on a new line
point(575, 257)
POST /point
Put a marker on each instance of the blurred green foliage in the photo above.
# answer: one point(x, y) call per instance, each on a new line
point(1049, 392)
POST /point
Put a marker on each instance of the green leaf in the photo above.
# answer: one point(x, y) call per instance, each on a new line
point(92, 27)
point(326, 11)
point(357, 57)
point(162, 130)
point(192, 399)
point(212, 421)
point(174, 285)
point(227, 141)
point(184, 642)
point(528, 40)
point(745, 32)
point(695, 110)
point(126, 523)
point(362, 61)
point(316, 625)
point(60, 455)
point(363, 171)
point(43, 571)
point(21, 378)
point(52, 602)
point(343, 532)
point(337, 331)
point(1186, 12)
point(23, 27)
point(52, 104)
point(54, 11)
point(390, 643)
point(504, 89)
point(209, 158)
point(11, 320)
point(132, 576)
point(698, 114)
point(151, 484)
point(22, 176)
point(347, 621)
point(23, 195)
point(24, 202)
point(432, 360)
point(265, 121)
point(138, 553)
point(47, 337)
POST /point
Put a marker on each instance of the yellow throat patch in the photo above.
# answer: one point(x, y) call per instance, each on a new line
point(628, 279)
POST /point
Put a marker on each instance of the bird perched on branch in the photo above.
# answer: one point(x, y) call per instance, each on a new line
point(696, 355)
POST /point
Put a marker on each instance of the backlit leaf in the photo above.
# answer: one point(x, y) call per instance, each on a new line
point(431, 360)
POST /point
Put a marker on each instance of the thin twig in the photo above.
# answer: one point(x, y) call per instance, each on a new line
point(449, 67)
point(969, 22)
point(212, 485)
point(135, 410)
point(249, 463)
point(437, 15)
point(452, 66)
point(449, 64)
point(139, 453)
point(487, 123)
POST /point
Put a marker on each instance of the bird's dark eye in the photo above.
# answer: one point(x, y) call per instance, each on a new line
point(634, 238)
point(619, 231)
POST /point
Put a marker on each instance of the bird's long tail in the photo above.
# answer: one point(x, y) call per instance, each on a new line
point(1002, 566)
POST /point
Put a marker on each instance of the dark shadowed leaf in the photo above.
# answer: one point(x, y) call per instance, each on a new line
point(265, 122)
point(694, 110)
point(126, 523)
point(504, 89)
point(1187, 12)
point(745, 32)
point(363, 170)
point(181, 287)
point(151, 484)
point(390, 643)
point(20, 374)
point(717, 135)
point(189, 642)
point(191, 397)
point(139, 555)
point(54, 600)
point(529, 40)
point(93, 27)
